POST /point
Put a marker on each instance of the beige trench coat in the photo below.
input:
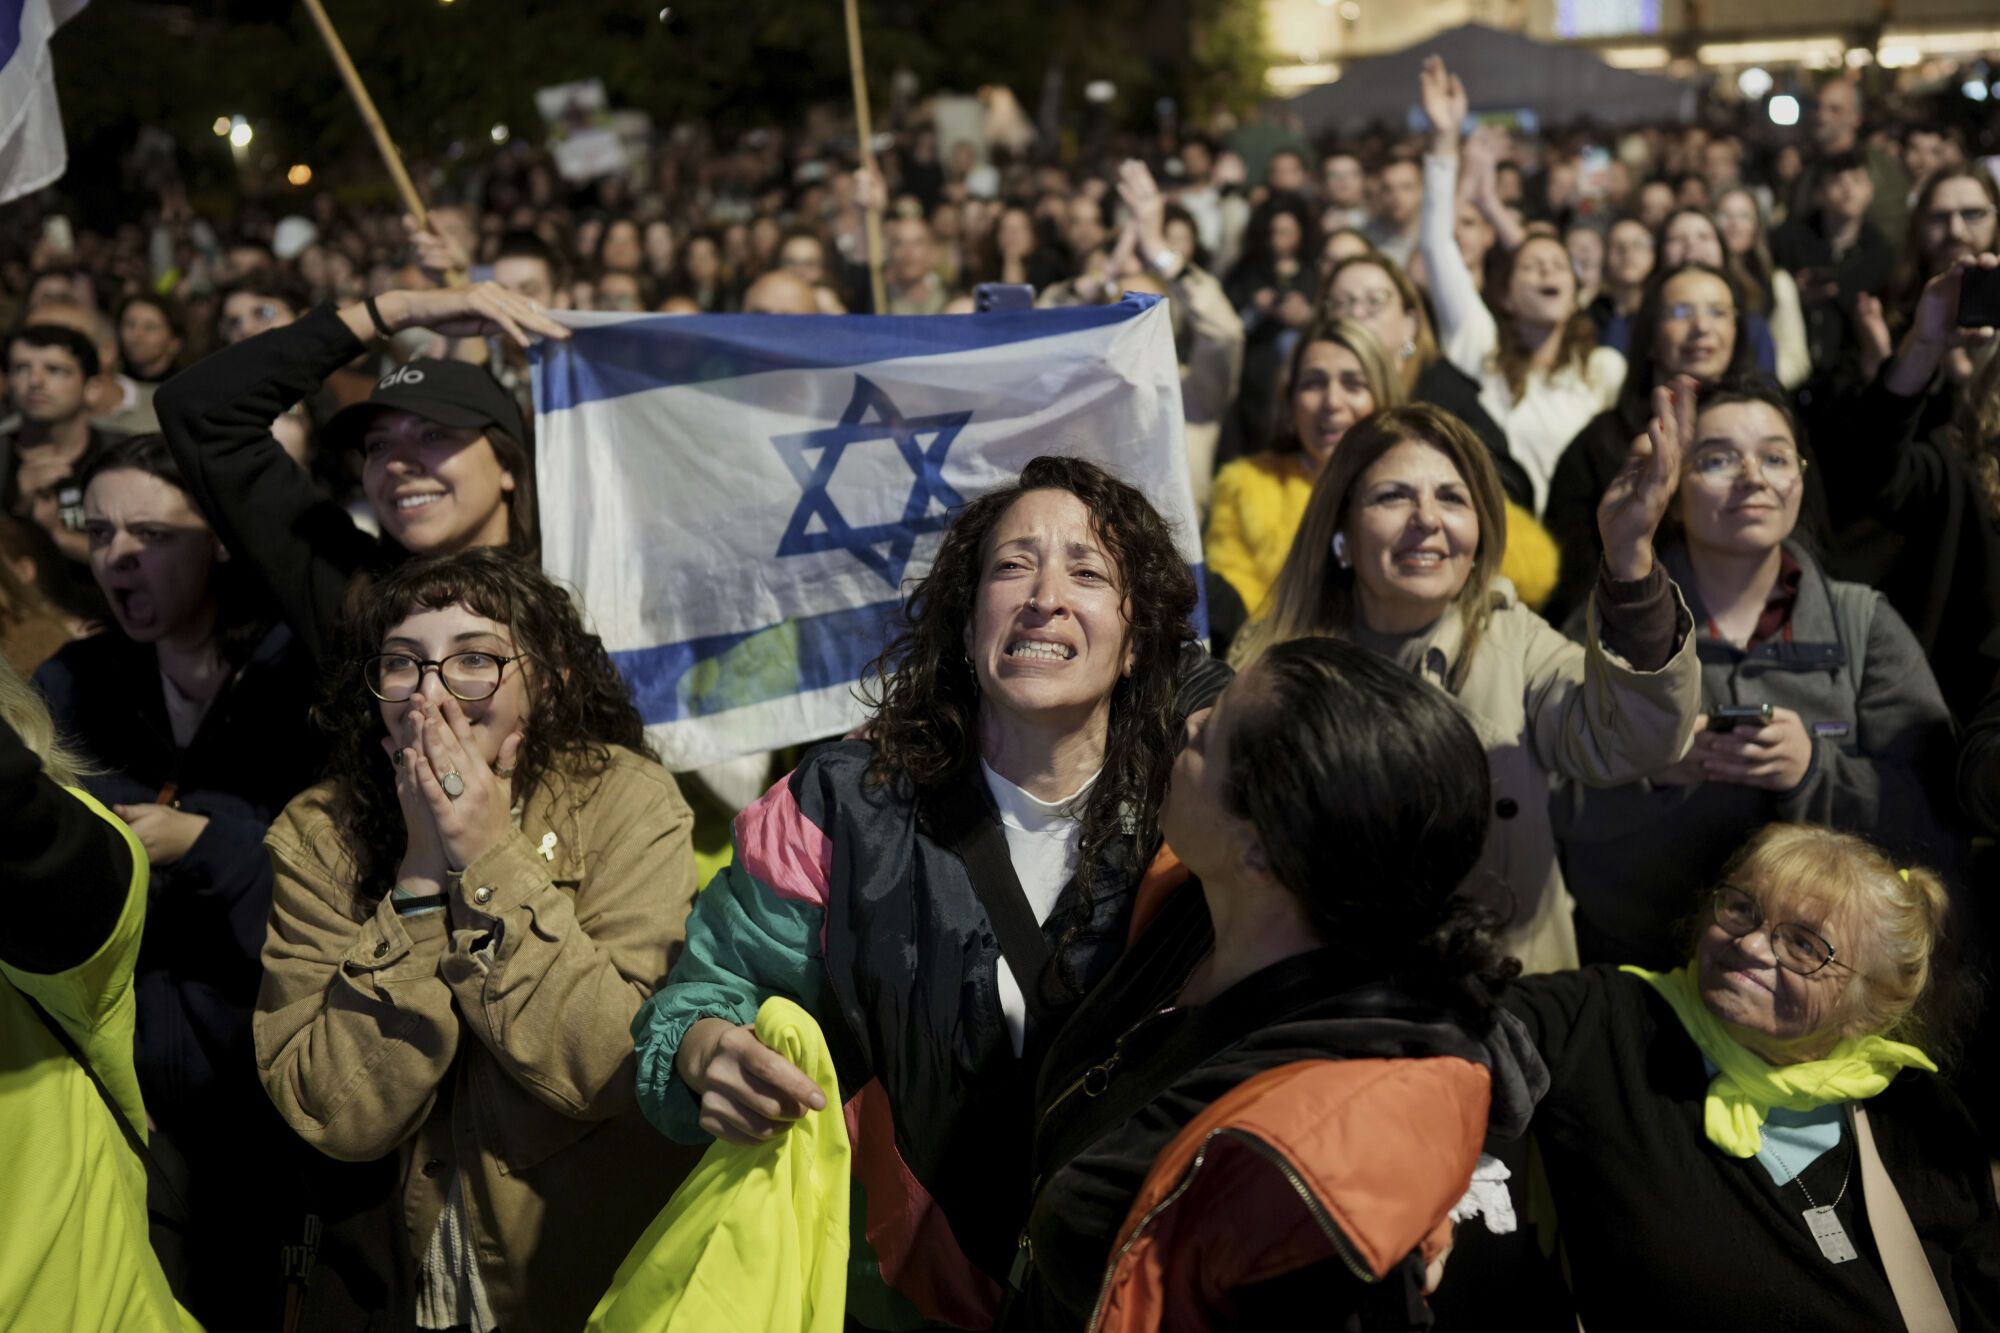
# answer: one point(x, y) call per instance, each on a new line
point(492, 1038)
point(1548, 708)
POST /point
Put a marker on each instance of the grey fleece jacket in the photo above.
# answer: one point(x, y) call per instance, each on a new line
point(1637, 856)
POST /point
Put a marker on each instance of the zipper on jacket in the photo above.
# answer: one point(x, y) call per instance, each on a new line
point(1341, 1245)
point(1096, 1080)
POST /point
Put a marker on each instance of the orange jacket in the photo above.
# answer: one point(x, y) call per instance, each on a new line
point(1360, 1160)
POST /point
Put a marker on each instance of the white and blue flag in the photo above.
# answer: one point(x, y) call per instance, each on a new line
point(31, 136)
point(742, 500)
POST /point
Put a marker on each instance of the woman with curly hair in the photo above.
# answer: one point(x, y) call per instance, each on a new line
point(467, 916)
point(940, 891)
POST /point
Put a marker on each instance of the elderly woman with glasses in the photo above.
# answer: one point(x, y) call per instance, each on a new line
point(1758, 1137)
point(1817, 704)
point(467, 917)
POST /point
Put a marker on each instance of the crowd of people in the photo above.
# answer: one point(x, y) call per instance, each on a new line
point(1551, 885)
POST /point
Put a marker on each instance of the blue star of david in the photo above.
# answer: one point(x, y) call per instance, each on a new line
point(883, 547)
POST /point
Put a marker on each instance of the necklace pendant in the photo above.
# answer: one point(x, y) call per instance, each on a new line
point(1832, 1237)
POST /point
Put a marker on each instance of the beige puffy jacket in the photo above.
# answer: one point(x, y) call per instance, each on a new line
point(1548, 707)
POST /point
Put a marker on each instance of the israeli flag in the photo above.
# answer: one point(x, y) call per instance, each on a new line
point(31, 137)
point(742, 501)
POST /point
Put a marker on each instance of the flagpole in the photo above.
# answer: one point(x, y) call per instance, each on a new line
point(866, 134)
point(413, 203)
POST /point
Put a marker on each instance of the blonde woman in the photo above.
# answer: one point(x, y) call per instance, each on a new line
point(1340, 373)
point(1399, 551)
point(1712, 1135)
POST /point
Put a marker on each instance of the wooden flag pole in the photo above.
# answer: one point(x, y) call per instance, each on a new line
point(863, 131)
point(355, 89)
point(413, 203)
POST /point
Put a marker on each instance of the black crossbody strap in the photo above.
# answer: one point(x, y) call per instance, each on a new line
point(156, 1179)
point(970, 826)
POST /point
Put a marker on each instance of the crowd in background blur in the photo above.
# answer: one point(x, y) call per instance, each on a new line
point(1408, 357)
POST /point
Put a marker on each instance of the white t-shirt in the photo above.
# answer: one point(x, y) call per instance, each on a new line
point(1043, 839)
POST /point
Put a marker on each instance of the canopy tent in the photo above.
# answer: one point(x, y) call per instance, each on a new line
point(1503, 71)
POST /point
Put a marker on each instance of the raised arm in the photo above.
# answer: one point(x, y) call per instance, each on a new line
point(1466, 330)
point(1624, 704)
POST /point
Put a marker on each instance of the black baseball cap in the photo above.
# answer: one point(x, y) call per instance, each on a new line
point(451, 393)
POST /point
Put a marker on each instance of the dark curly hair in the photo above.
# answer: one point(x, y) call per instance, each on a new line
point(579, 707)
point(926, 699)
point(1369, 792)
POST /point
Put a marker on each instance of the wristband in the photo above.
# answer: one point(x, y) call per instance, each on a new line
point(375, 315)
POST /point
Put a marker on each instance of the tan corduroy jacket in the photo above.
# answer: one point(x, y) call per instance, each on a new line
point(492, 1038)
point(1546, 706)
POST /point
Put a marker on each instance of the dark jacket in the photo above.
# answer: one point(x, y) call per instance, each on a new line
point(1979, 760)
point(849, 897)
point(1943, 573)
point(1444, 385)
point(1637, 855)
point(197, 970)
point(1828, 286)
point(1661, 1231)
point(843, 897)
point(1408, 1085)
point(1582, 474)
point(216, 416)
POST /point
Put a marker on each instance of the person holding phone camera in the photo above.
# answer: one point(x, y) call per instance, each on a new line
point(1857, 736)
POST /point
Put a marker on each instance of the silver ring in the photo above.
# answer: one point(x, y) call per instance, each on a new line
point(453, 784)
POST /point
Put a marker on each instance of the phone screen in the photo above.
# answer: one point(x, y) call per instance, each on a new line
point(1979, 299)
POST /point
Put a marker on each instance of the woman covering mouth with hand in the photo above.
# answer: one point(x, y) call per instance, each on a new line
point(445, 466)
point(940, 892)
point(1399, 552)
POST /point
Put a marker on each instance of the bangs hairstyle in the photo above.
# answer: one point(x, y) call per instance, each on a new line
point(925, 697)
point(578, 707)
point(1892, 933)
point(1315, 596)
point(1384, 385)
point(1370, 794)
point(244, 613)
point(1424, 345)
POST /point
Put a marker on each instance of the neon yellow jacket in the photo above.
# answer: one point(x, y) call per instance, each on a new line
point(755, 1241)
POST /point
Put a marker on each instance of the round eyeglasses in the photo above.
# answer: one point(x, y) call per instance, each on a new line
point(1797, 948)
point(395, 677)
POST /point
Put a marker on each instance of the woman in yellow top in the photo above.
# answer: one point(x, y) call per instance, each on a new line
point(1339, 374)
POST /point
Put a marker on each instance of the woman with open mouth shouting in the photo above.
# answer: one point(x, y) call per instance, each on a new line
point(940, 891)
